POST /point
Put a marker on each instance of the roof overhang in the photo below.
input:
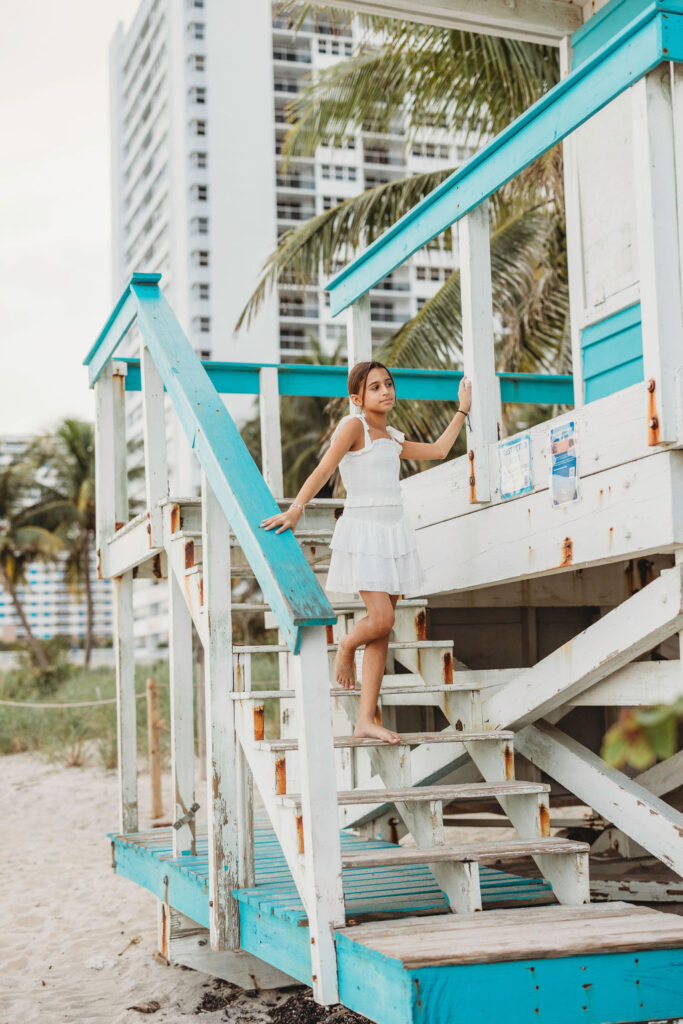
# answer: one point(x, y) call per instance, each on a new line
point(538, 21)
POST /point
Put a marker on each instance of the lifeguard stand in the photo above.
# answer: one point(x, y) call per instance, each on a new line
point(533, 609)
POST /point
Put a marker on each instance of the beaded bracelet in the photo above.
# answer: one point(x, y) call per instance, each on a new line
point(295, 504)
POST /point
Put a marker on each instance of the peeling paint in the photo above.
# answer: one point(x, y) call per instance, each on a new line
point(280, 776)
point(175, 518)
point(447, 669)
point(259, 722)
point(421, 624)
point(300, 833)
point(567, 552)
point(189, 554)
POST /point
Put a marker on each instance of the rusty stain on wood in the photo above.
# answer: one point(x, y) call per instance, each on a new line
point(329, 634)
point(118, 527)
point(201, 590)
point(567, 552)
point(472, 479)
point(544, 819)
point(421, 624)
point(509, 758)
point(652, 417)
point(260, 722)
point(175, 518)
point(377, 717)
point(280, 776)
point(156, 566)
point(189, 554)
point(300, 833)
point(447, 668)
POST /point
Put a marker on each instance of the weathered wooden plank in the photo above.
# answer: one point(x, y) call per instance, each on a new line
point(477, 345)
point(627, 631)
point(637, 812)
point(322, 854)
point(664, 776)
point(111, 472)
point(271, 438)
point(156, 463)
point(126, 711)
point(466, 791)
point(532, 20)
point(129, 548)
point(358, 333)
point(182, 718)
point(461, 851)
point(408, 738)
point(658, 252)
point(224, 840)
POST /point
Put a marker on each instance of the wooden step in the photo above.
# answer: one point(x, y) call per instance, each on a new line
point(338, 691)
point(407, 738)
point(428, 794)
point(394, 645)
point(461, 852)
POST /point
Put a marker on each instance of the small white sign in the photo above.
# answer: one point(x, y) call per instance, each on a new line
point(514, 459)
point(564, 474)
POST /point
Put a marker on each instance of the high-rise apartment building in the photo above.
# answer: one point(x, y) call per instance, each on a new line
point(200, 192)
point(51, 606)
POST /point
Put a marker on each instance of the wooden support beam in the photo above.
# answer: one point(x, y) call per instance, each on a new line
point(271, 437)
point(322, 852)
point(627, 631)
point(664, 776)
point(359, 332)
point(182, 719)
point(126, 711)
point(111, 471)
point(644, 817)
point(227, 834)
point(477, 343)
point(658, 251)
point(156, 463)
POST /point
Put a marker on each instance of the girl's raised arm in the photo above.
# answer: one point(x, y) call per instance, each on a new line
point(348, 431)
point(440, 448)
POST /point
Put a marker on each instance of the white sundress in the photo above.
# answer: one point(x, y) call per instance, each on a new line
point(373, 545)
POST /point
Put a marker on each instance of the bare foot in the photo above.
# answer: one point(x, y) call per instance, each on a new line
point(374, 731)
point(344, 669)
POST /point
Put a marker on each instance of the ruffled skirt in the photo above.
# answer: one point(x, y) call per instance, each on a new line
point(374, 548)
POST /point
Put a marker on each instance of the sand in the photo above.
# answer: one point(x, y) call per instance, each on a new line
point(77, 942)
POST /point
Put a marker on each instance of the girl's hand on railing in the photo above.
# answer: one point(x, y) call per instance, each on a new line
point(284, 520)
point(465, 394)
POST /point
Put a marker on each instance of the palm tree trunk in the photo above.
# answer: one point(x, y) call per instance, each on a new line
point(38, 651)
point(88, 594)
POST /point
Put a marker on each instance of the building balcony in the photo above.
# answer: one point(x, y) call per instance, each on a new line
point(293, 310)
point(292, 56)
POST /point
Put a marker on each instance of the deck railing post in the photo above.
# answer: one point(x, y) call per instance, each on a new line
point(658, 249)
point(221, 742)
point(271, 437)
point(111, 470)
point(359, 331)
point(156, 468)
point(477, 345)
point(126, 710)
point(182, 719)
point(324, 896)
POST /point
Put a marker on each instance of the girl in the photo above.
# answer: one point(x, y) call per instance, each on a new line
point(374, 549)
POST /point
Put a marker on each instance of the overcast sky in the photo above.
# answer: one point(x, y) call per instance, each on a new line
point(55, 290)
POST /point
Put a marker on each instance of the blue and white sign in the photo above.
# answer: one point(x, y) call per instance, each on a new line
point(564, 475)
point(514, 459)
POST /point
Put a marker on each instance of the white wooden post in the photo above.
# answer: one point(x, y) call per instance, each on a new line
point(182, 717)
point(660, 271)
point(477, 345)
point(271, 437)
point(156, 468)
point(124, 653)
point(574, 244)
point(324, 899)
point(111, 471)
point(221, 742)
point(359, 332)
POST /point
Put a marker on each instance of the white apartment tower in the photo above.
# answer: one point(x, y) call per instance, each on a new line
point(199, 191)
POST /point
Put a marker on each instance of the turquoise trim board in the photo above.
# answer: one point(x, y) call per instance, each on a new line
point(283, 573)
point(610, 20)
point(612, 353)
point(330, 382)
point(654, 35)
point(595, 989)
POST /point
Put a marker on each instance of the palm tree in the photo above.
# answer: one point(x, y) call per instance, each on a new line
point(67, 503)
point(414, 74)
point(21, 542)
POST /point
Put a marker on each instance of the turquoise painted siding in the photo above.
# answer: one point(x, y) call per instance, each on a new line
point(612, 353)
point(608, 22)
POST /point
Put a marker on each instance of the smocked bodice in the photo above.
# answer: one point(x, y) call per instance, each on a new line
point(370, 475)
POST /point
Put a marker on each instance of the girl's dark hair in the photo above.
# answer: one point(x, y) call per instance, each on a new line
point(358, 376)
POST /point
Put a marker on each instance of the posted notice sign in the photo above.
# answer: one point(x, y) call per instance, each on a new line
point(564, 476)
point(514, 459)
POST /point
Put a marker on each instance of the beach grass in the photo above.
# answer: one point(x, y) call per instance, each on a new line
point(74, 736)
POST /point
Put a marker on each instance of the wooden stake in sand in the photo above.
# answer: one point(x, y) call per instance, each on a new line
point(153, 735)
